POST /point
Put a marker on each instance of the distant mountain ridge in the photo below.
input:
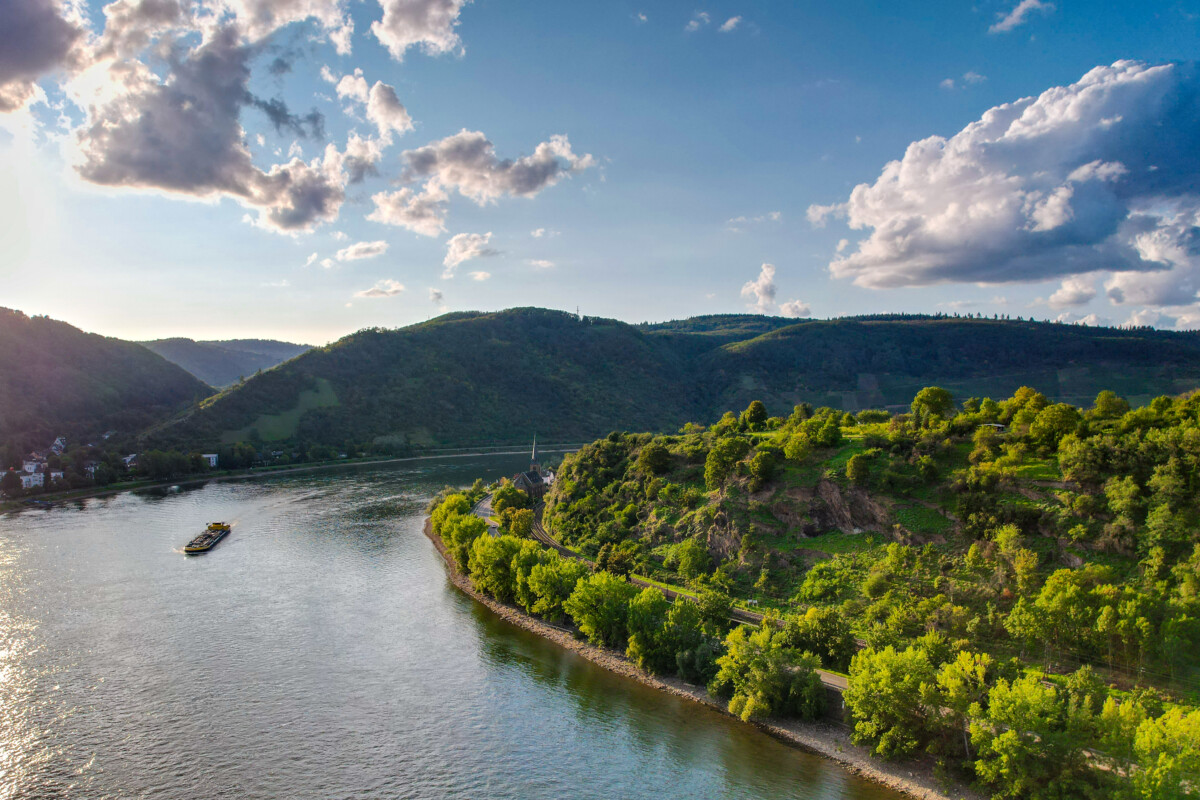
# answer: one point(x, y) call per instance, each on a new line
point(473, 377)
point(57, 380)
point(223, 363)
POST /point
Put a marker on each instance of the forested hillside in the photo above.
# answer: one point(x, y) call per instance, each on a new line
point(56, 379)
point(475, 377)
point(224, 363)
point(1012, 586)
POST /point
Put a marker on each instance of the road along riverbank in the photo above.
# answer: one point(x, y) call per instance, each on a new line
point(824, 738)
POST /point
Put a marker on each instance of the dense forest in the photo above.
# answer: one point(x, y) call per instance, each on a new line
point(57, 380)
point(1012, 587)
point(499, 377)
point(224, 363)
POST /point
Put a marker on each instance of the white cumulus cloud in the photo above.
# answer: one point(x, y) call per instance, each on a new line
point(465, 247)
point(1096, 176)
point(466, 163)
point(428, 24)
point(761, 291)
point(795, 308)
point(1074, 291)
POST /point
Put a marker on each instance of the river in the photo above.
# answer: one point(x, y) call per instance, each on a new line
point(320, 652)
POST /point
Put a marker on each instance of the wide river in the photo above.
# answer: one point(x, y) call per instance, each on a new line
point(320, 652)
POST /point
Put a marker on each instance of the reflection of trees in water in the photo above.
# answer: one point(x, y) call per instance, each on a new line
point(708, 749)
point(155, 494)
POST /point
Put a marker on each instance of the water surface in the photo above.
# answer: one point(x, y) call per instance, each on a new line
point(320, 652)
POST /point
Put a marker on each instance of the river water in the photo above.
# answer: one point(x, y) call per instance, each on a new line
point(320, 652)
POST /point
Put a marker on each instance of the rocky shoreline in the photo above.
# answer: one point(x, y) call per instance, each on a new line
point(826, 739)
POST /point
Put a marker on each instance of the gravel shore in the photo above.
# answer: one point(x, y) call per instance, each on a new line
point(823, 738)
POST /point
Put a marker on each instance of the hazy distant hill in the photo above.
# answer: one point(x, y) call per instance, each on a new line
point(224, 363)
point(56, 379)
point(469, 377)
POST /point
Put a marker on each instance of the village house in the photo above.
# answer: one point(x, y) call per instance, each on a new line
point(210, 459)
point(28, 481)
point(60, 445)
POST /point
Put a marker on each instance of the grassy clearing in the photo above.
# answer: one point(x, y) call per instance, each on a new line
point(920, 519)
point(838, 542)
point(277, 427)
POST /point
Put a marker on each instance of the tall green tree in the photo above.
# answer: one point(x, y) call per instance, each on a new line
point(885, 694)
point(600, 608)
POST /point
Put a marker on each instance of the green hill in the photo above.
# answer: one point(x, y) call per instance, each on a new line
point(226, 362)
point(55, 379)
point(500, 377)
point(1043, 555)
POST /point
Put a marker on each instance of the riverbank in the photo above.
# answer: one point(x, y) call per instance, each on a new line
point(234, 475)
point(822, 738)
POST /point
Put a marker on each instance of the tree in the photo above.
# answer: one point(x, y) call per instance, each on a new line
point(932, 404)
point(824, 632)
point(1052, 423)
point(451, 505)
point(692, 559)
point(754, 417)
point(654, 459)
point(858, 468)
point(459, 532)
point(1168, 756)
point(518, 522)
point(1108, 406)
point(508, 496)
point(600, 607)
point(715, 607)
point(491, 565)
point(762, 677)
point(552, 583)
point(961, 684)
point(649, 646)
point(530, 555)
point(1031, 743)
point(762, 466)
point(721, 460)
point(10, 484)
point(884, 697)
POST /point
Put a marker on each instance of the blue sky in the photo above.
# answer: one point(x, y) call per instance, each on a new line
point(695, 156)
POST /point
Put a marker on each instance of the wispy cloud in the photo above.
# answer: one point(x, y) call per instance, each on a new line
point(384, 288)
point(698, 21)
point(1019, 15)
point(730, 25)
point(361, 250)
point(739, 223)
